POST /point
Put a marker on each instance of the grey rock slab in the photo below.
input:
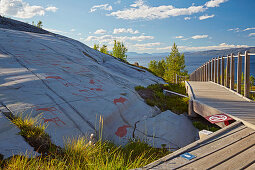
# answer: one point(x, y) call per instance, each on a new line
point(10, 142)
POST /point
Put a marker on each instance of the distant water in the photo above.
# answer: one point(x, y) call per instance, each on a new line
point(192, 62)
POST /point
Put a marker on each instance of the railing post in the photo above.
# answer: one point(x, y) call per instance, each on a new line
point(210, 69)
point(228, 72)
point(218, 72)
point(204, 72)
point(207, 70)
point(232, 73)
point(215, 70)
point(176, 78)
point(222, 71)
point(247, 75)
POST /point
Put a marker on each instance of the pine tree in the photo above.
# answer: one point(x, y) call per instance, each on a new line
point(119, 50)
point(175, 64)
point(96, 47)
point(104, 49)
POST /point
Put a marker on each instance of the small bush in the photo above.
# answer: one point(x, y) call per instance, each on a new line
point(154, 96)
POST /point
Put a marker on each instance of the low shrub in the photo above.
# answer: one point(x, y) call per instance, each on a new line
point(154, 96)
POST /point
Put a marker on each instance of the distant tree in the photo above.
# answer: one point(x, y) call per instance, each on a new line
point(174, 64)
point(119, 50)
point(252, 80)
point(104, 49)
point(158, 67)
point(39, 24)
point(96, 47)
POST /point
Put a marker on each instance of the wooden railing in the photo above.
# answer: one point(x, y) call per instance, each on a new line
point(214, 70)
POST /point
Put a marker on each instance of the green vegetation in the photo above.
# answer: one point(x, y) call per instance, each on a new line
point(172, 65)
point(154, 96)
point(119, 50)
point(33, 130)
point(39, 24)
point(201, 126)
point(79, 153)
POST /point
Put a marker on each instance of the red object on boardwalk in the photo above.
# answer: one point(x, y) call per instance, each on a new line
point(122, 131)
point(218, 118)
point(119, 100)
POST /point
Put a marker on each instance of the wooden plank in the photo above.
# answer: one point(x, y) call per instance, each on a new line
point(247, 75)
point(228, 72)
point(238, 161)
point(218, 72)
point(222, 71)
point(208, 146)
point(234, 127)
point(239, 73)
point(225, 152)
point(215, 69)
point(232, 72)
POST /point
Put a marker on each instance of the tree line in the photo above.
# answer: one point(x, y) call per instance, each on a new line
point(172, 65)
point(119, 50)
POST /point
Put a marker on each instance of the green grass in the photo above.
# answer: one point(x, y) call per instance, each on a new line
point(201, 126)
point(78, 153)
point(154, 96)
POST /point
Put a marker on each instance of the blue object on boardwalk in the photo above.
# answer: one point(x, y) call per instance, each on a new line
point(187, 156)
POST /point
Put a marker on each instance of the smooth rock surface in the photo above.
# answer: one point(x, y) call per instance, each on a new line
point(10, 142)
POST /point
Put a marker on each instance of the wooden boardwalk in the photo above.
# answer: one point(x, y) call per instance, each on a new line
point(224, 100)
point(232, 147)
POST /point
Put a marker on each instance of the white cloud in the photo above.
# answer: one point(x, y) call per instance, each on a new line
point(251, 34)
point(72, 30)
point(234, 29)
point(124, 30)
point(187, 18)
point(248, 29)
point(51, 8)
point(206, 17)
point(106, 7)
point(147, 45)
point(79, 34)
point(20, 9)
point(117, 2)
point(214, 3)
point(139, 10)
point(56, 31)
point(199, 36)
point(111, 38)
point(204, 48)
point(100, 31)
point(179, 36)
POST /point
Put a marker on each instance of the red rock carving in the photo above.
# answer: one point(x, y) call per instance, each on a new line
point(54, 120)
point(54, 77)
point(49, 109)
point(122, 131)
point(92, 81)
point(119, 100)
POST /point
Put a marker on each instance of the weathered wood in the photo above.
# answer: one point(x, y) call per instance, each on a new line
point(232, 73)
point(247, 75)
point(215, 69)
point(224, 100)
point(223, 154)
point(239, 73)
point(209, 70)
point(222, 71)
point(218, 72)
point(228, 72)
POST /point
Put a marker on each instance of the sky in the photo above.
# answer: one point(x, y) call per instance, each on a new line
point(144, 26)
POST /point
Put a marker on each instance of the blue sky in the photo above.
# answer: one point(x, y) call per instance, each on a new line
point(150, 26)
